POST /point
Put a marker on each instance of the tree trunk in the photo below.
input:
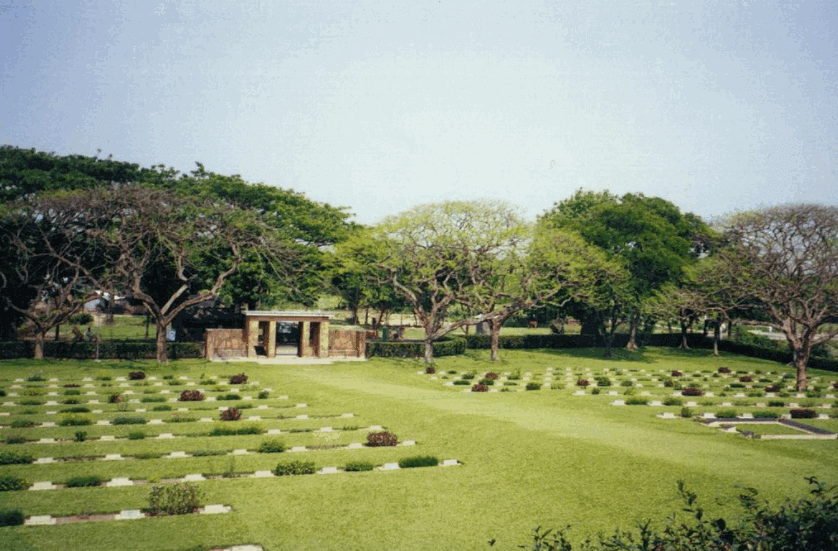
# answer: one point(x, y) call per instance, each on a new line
point(57, 332)
point(684, 344)
point(162, 349)
point(355, 318)
point(494, 332)
point(429, 351)
point(801, 358)
point(40, 337)
point(632, 343)
point(717, 335)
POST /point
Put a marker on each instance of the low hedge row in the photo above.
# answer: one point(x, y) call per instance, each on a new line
point(108, 350)
point(449, 346)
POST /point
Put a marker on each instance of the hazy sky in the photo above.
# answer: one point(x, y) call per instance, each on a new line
point(378, 106)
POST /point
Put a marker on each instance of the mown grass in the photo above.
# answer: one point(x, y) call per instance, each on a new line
point(541, 457)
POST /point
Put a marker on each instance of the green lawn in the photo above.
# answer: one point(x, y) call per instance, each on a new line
point(544, 457)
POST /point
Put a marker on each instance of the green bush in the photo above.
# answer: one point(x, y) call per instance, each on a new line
point(358, 466)
point(272, 446)
point(80, 436)
point(263, 395)
point(11, 517)
point(232, 431)
point(173, 499)
point(84, 481)
point(418, 461)
point(603, 381)
point(228, 397)
point(152, 399)
point(13, 457)
point(637, 401)
point(10, 483)
point(686, 413)
point(180, 419)
point(15, 439)
point(671, 401)
point(726, 414)
point(294, 468)
point(137, 435)
point(73, 420)
point(449, 346)
point(161, 408)
point(208, 453)
point(22, 424)
point(533, 386)
point(129, 421)
point(809, 524)
point(766, 414)
point(803, 413)
point(31, 403)
point(461, 382)
point(70, 401)
point(77, 409)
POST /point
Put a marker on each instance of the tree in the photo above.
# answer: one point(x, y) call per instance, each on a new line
point(785, 260)
point(436, 253)
point(164, 250)
point(653, 239)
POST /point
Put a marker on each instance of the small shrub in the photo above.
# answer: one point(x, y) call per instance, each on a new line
point(746, 379)
point(207, 453)
point(231, 431)
point(80, 436)
point(418, 461)
point(70, 401)
point(36, 377)
point(231, 414)
point(358, 466)
point(637, 401)
point(10, 483)
point(468, 376)
point(533, 386)
point(595, 391)
point(726, 414)
point(765, 414)
point(686, 413)
point(582, 382)
point(803, 413)
point(515, 375)
point(2, 393)
point(174, 499)
point(152, 399)
point(31, 403)
point(491, 376)
point(228, 397)
point(239, 379)
point(776, 403)
point(627, 383)
point(136, 375)
point(161, 408)
point(137, 435)
point(72, 392)
point(11, 517)
point(294, 468)
point(84, 481)
point(461, 382)
point(676, 373)
point(14, 457)
point(76, 409)
point(630, 392)
point(103, 377)
point(487, 382)
point(480, 387)
point(22, 424)
point(180, 419)
point(114, 398)
point(129, 421)
point(430, 370)
point(72, 385)
point(724, 370)
point(380, 439)
point(692, 391)
point(263, 395)
point(191, 396)
point(603, 381)
point(672, 401)
point(74, 420)
point(15, 439)
point(555, 385)
point(272, 446)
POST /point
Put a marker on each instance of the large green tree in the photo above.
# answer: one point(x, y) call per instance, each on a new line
point(653, 239)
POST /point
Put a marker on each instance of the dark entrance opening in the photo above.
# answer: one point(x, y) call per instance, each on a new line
point(288, 338)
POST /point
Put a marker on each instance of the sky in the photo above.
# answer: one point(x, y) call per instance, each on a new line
point(716, 106)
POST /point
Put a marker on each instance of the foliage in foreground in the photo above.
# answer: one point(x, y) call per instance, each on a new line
point(810, 524)
point(174, 499)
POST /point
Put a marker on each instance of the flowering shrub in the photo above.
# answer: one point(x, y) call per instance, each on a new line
point(724, 370)
point(803, 413)
point(173, 499)
point(676, 373)
point(692, 391)
point(430, 370)
point(136, 375)
point(231, 414)
point(772, 388)
point(491, 376)
point(582, 382)
point(480, 387)
point(746, 379)
point(239, 379)
point(114, 398)
point(191, 396)
point(380, 439)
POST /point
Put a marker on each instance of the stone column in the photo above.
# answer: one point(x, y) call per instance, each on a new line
point(252, 337)
point(270, 340)
point(324, 339)
point(305, 331)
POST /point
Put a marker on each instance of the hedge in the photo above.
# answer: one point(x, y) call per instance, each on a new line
point(108, 350)
point(449, 346)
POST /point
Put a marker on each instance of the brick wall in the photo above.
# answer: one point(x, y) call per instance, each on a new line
point(345, 342)
point(225, 343)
